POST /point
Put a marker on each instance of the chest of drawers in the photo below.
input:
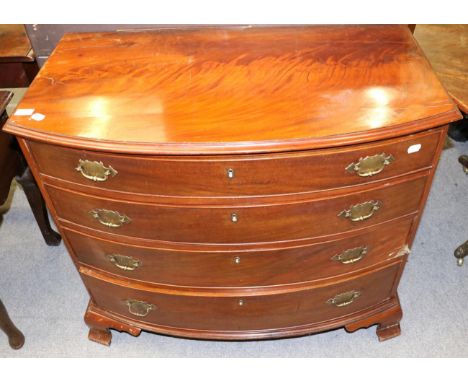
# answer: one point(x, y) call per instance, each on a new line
point(237, 182)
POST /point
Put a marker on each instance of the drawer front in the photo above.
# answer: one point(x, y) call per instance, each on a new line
point(242, 268)
point(246, 312)
point(239, 224)
point(240, 175)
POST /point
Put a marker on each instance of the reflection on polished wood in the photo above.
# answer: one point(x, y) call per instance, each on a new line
point(233, 89)
point(446, 47)
point(277, 130)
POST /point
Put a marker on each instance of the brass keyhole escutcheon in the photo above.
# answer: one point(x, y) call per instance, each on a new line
point(234, 218)
point(237, 260)
point(230, 173)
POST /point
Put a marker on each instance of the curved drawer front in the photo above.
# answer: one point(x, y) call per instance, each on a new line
point(240, 175)
point(239, 224)
point(243, 313)
point(242, 268)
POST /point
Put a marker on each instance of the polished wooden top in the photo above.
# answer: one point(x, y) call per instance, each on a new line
point(446, 47)
point(233, 89)
point(14, 43)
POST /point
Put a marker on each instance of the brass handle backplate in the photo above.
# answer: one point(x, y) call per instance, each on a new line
point(361, 211)
point(344, 299)
point(370, 165)
point(95, 171)
point(139, 308)
point(109, 218)
point(127, 263)
point(351, 256)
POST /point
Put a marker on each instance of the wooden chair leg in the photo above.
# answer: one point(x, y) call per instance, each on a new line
point(38, 207)
point(15, 337)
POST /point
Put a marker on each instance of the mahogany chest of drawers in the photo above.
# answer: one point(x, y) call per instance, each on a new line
point(237, 182)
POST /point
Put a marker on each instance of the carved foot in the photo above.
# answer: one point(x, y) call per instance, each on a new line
point(99, 324)
point(385, 332)
point(15, 337)
point(101, 336)
point(38, 207)
point(388, 321)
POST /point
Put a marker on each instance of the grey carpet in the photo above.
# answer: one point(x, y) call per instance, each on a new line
point(46, 299)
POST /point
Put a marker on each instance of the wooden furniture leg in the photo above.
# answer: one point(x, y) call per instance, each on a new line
point(100, 324)
point(15, 337)
point(38, 207)
point(388, 322)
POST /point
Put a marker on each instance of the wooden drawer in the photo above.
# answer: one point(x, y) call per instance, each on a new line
point(207, 176)
point(242, 268)
point(243, 313)
point(237, 224)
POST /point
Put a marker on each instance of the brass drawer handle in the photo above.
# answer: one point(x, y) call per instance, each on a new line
point(370, 165)
point(109, 218)
point(127, 263)
point(351, 255)
point(344, 299)
point(95, 171)
point(361, 211)
point(139, 308)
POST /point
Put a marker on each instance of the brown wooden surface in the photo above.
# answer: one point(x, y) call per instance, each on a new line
point(254, 175)
point(14, 43)
point(232, 89)
point(17, 63)
point(257, 313)
point(242, 268)
point(446, 47)
point(256, 224)
point(237, 91)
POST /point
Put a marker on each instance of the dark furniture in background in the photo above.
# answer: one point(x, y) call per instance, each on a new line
point(13, 164)
point(446, 47)
point(238, 183)
point(18, 66)
point(15, 337)
point(44, 37)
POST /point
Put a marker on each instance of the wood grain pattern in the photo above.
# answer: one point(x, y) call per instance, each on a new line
point(256, 224)
point(446, 47)
point(255, 313)
point(174, 109)
point(139, 177)
point(14, 44)
point(234, 89)
point(248, 268)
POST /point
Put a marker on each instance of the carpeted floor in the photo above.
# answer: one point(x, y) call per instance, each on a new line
point(46, 299)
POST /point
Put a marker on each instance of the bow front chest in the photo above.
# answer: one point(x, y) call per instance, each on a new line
point(237, 182)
